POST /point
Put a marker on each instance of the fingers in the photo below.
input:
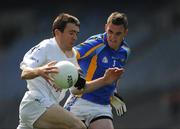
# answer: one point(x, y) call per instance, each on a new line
point(56, 87)
point(119, 105)
point(51, 77)
point(116, 70)
point(117, 112)
point(51, 70)
point(51, 82)
point(52, 63)
point(48, 81)
point(47, 71)
point(124, 108)
point(121, 110)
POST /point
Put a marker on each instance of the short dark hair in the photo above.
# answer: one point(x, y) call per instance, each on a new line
point(61, 21)
point(118, 18)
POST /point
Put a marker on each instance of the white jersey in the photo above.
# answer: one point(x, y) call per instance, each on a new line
point(46, 51)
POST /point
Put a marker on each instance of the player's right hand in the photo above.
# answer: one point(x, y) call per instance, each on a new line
point(112, 74)
point(46, 70)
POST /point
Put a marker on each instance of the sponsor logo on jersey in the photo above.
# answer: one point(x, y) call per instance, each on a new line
point(118, 59)
point(105, 60)
point(33, 58)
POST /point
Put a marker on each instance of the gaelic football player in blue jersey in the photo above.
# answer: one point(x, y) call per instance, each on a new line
point(95, 56)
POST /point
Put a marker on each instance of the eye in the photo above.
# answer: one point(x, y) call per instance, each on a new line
point(71, 33)
point(118, 33)
point(77, 33)
point(110, 32)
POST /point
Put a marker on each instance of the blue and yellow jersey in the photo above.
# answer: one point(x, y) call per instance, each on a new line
point(94, 57)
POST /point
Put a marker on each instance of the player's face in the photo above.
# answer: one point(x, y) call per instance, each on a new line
point(69, 36)
point(115, 35)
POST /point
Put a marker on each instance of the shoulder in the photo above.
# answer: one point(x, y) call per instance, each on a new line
point(126, 47)
point(89, 46)
point(41, 47)
point(95, 39)
point(47, 42)
point(91, 42)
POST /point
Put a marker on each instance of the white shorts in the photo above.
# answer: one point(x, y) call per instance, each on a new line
point(32, 106)
point(88, 111)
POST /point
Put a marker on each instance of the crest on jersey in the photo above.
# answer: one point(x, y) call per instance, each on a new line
point(122, 60)
point(105, 60)
point(33, 58)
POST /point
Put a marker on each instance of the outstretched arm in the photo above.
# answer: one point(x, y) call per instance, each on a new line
point(111, 75)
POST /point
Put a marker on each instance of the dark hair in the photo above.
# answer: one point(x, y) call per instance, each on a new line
point(117, 18)
point(61, 21)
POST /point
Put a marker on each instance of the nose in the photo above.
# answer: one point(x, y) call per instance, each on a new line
point(113, 36)
point(75, 37)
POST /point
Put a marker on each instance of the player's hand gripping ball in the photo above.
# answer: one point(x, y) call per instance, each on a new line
point(67, 76)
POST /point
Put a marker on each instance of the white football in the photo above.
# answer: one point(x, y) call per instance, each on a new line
point(67, 76)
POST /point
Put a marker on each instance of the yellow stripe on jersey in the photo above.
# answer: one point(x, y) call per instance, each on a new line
point(77, 55)
point(91, 50)
point(92, 68)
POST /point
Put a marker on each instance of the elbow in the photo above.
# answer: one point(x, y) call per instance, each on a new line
point(23, 76)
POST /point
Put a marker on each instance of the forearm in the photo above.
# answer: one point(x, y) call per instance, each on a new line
point(110, 76)
point(29, 73)
point(94, 84)
point(90, 86)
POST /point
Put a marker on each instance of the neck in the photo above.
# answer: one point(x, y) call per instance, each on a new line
point(60, 45)
point(67, 52)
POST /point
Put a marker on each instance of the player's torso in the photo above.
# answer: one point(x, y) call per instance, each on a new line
point(52, 53)
point(106, 58)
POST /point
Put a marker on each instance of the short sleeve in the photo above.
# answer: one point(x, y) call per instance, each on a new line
point(35, 57)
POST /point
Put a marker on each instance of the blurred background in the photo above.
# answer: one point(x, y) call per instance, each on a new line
point(151, 83)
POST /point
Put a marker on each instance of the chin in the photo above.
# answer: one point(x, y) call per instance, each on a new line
point(113, 46)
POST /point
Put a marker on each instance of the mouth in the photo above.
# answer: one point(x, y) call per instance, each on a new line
point(72, 43)
point(112, 42)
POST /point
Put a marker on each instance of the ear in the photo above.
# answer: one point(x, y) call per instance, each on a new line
point(105, 27)
point(57, 32)
point(126, 32)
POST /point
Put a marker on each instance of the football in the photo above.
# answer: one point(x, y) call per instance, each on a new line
point(67, 76)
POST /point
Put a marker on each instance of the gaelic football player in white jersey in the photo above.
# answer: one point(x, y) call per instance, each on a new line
point(39, 108)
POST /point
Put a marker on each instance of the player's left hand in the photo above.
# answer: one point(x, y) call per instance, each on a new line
point(119, 105)
point(53, 84)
